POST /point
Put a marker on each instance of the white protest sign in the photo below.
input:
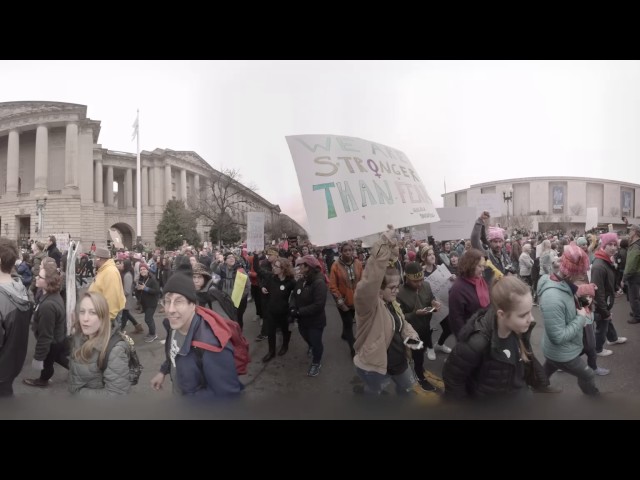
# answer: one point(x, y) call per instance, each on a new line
point(440, 284)
point(592, 218)
point(485, 201)
point(421, 232)
point(62, 241)
point(353, 187)
point(255, 231)
point(455, 223)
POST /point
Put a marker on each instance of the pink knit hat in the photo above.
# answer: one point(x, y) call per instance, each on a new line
point(574, 261)
point(587, 289)
point(412, 255)
point(495, 233)
point(607, 238)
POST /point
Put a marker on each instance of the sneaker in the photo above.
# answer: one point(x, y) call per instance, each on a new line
point(150, 338)
point(601, 371)
point(619, 341)
point(442, 348)
point(261, 337)
point(633, 320)
point(426, 386)
point(431, 354)
point(162, 342)
point(314, 370)
point(604, 353)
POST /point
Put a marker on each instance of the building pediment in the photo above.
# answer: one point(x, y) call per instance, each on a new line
point(19, 109)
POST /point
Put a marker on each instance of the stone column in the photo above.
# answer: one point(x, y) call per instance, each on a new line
point(42, 159)
point(196, 187)
point(183, 185)
point(71, 156)
point(98, 182)
point(13, 154)
point(167, 183)
point(128, 188)
point(144, 181)
point(108, 188)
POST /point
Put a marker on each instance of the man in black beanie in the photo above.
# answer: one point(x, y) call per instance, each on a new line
point(193, 370)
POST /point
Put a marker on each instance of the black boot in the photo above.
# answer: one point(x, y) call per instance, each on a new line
point(268, 356)
point(286, 336)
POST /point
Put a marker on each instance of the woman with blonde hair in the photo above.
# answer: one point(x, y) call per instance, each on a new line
point(92, 370)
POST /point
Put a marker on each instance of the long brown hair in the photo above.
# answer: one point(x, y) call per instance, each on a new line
point(99, 342)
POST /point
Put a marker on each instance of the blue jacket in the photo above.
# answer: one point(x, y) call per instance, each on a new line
point(562, 339)
point(201, 372)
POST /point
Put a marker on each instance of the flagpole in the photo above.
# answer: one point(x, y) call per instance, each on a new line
point(138, 192)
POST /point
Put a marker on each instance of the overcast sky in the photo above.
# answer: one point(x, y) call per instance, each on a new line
point(466, 121)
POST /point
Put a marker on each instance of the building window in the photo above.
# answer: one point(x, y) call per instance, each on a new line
point(626, 202)
point(558, 197)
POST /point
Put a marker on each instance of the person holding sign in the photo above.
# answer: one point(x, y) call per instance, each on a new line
point(228, 276)
point(382, 333)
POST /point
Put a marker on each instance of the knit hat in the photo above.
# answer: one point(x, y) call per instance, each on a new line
point(182, 284)
point(273, 251)
point(607, 238)
point(574, 261)
point(495, 233)
point(309, 260)
point(200, 269)
point(143, 265)
point(587, 289)
point(412, 255)
point(581, 242)
point(413, 271)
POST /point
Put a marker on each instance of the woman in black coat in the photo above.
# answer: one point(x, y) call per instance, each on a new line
point(277, 291)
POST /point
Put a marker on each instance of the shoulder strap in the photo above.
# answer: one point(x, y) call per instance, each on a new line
point(112, 343)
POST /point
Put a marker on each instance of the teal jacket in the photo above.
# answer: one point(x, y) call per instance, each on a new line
point(562, 340)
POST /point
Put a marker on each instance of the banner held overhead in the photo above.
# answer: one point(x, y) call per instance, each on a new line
point(351, 186)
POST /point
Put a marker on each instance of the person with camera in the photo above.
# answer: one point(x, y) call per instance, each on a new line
point(418, 303)
point(382, 333)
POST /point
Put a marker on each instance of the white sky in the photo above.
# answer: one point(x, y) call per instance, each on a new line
point(468, 121)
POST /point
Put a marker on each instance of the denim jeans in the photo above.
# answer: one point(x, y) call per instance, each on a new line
point(313, 337)
point(604, 329)
point(148, 319)
point(577, 368)
point(375, 383)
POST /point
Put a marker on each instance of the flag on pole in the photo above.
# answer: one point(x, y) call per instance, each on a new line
point(135, 128)
point(445, 178)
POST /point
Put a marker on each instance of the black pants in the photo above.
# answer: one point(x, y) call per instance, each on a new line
point(347, 326)
point(256, 294)
point(6, 389)
point(241, 309)
point(273, 323)
point(418, 362)
point(313, 337)
point(604, 331)
point(148, 319)
point(446, 331)
point(58, 353)
point(126, 316)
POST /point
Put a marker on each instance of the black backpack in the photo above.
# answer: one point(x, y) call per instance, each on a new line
point(225, 302)
point(135, 367)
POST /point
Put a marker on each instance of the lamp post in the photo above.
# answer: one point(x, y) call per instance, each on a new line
point(507, 199)
point(40, 206)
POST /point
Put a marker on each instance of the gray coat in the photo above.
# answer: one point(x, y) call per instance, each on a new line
point(88, 380)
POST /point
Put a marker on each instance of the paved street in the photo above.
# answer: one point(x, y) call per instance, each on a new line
point(281, 388)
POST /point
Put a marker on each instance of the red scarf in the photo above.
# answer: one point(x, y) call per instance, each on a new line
point(482, 290)
point(601, 254)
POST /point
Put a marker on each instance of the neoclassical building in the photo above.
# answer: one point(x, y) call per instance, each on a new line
point(546, 203)
point(51, 151)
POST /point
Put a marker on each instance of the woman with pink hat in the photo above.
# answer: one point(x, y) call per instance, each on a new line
point(564, 318)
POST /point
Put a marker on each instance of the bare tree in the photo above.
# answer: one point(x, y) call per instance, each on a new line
point(223, 201)
point(576, 209)
point(522, 222)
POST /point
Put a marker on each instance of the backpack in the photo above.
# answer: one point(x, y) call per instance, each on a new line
point(225, 330)
point(135, 367)
point(225, 302)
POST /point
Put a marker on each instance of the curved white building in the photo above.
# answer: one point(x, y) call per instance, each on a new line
point(50, 150)
point(547, 203)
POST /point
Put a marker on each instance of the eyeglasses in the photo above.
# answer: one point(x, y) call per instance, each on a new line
point(176, 302)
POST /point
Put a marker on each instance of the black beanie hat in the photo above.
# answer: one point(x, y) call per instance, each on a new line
point(182, 284)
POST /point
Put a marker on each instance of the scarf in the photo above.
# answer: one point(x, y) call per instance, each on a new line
point(482, 290)
point(601, 254)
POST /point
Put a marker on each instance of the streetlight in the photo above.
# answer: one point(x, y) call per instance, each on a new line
point(40, 206)
point(508, 198)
